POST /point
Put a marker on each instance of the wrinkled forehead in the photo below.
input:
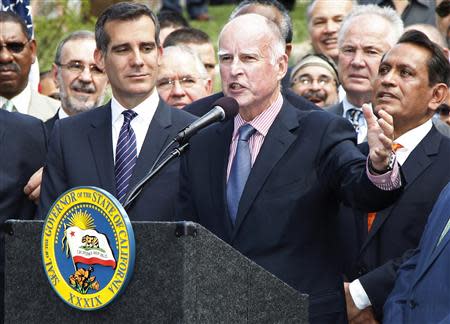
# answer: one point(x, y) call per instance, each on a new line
point(79, 50)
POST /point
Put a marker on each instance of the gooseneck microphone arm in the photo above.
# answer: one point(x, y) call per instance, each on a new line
point(217, 113)
point(134, 193)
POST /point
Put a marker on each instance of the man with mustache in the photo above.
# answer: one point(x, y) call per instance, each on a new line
point(315, 78)
point(80, 81)
point(17, 53)
point(411, 84)
point(113, 146)
point(360, 52)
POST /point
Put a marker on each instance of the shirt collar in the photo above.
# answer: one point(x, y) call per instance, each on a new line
point(263, 121)
point(62, 114)
point(145, 110)
point(21, 101)
point(347, 106)
point(412, 138)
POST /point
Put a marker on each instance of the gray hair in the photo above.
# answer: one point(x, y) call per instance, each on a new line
point(285, 23)
point(312, 3)
point(200, 68)
point(76, 35)
point(277, 47)
point(388, 14)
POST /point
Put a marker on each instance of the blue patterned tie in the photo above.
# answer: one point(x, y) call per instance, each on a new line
point(354, 115)
point(240, 169)
point(126, 155)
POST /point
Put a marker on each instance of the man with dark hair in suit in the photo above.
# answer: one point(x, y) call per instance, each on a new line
point(23, 145)
point(412, 82)
point(113, 146)
point(269, 181)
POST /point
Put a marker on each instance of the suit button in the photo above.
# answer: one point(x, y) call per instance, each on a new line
point(412, 304)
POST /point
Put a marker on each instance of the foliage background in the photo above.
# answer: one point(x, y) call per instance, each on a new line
point(57, 19)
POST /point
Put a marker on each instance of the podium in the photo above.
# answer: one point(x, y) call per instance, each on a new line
point(183, 274)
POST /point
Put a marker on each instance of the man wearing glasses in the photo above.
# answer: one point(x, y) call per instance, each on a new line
point(443, 18)
point(182, 78)
point(17, 53)
point(80, 81)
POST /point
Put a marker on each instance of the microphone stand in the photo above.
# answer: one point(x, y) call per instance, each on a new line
point(176, 152)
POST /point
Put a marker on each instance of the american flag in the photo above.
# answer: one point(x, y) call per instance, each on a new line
point(20, 7)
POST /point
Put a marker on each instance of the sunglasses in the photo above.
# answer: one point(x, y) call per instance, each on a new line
point(443, 10)
point(444, 110)
point(14, 47)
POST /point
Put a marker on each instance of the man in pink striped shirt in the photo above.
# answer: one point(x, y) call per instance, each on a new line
point(269, 181)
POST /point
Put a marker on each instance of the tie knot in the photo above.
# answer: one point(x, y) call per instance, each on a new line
point(128, 116)
point(354, 113)
point(396, 146)
point(8, 105)
point(245, 132)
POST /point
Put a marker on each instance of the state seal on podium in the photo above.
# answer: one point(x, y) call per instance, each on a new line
point(88, 248)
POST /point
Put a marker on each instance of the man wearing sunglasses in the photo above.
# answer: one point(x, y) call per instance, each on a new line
point(443, 18)
point(17, 53)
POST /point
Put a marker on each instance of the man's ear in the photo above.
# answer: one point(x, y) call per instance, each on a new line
point(99, 59)
point(440, 93)
point(283, 66)
point(55, 75)
point(33, 48)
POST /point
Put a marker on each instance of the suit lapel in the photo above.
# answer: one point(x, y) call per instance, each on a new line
point(416, 163)
point(278, 140)
point(156, 138)
point(2, 125)
point(100, 139)
point(219, 163)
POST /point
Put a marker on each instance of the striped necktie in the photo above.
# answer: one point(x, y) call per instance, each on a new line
point(354, 115)
point(371, 216)
point(240, 169)
point(126, 155)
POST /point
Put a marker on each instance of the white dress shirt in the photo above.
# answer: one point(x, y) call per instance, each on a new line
point(21, 101)
point(140, 124)
point(409, 141)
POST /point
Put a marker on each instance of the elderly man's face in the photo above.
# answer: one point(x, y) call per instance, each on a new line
point(402, 87)
point(16, 56)
point(179, 81)
point(316, 84)
point(250, 73)
point(81, 83)
point(360, 54)
point(324, 23)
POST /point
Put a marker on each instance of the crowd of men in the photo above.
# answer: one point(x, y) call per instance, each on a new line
point(333, 175)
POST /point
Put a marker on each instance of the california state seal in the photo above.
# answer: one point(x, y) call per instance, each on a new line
point(88, 248)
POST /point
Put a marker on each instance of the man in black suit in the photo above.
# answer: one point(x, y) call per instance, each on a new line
point(412, 82)
point(23, 145)
point(360, 52)
point(86, 149)
point(269, 181)
point(276, 12)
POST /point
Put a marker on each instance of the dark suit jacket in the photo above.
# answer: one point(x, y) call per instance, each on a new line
point(422, 289)
point(50, 123)
point(399, 227)
point(81, 154)
point(23, 146)
point(337, 109)
point(287, 212)
point(202, 106)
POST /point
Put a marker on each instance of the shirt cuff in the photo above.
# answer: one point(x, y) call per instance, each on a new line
point(359, 295)
point(388, 181)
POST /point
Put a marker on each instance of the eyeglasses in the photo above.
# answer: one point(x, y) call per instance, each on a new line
point(78, 67)
point(443, 10)
point(168, 84)
point(444, 110)
point(14, 47)
point(306, 80)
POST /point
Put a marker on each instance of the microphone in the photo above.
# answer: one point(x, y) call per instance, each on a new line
point(223, 109)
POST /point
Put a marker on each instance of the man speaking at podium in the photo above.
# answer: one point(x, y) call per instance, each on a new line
point(113, 147)
point(269, 181)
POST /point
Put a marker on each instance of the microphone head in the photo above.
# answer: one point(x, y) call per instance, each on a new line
point(229, 105)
